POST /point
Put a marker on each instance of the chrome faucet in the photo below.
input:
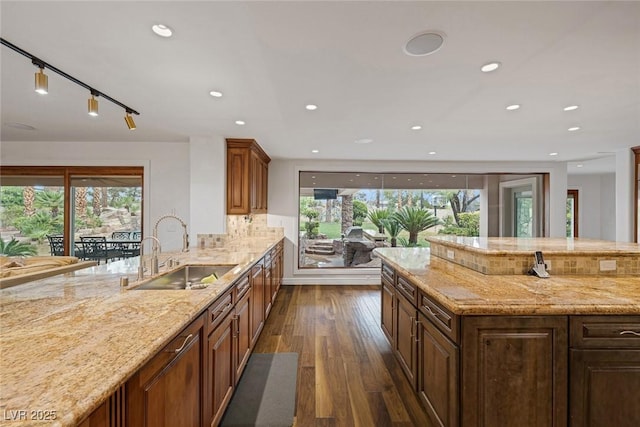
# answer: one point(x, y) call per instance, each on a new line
point(154, 256)
point(185, 235)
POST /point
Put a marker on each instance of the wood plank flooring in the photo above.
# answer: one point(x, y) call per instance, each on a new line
point(347, 374)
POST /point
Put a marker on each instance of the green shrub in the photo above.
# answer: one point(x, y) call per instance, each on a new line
point(16, 248)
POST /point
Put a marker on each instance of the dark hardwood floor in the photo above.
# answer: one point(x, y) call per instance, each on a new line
point(347, 374)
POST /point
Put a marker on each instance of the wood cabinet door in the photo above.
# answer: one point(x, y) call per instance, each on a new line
point(605, 388)
point(257, 302)
point(221, 368)
point(256, 182)
point(238, 185)
point(264, 187)
point(167, 391)
point(405, 346)
point(387, 305)
point(268, 294)
point(438, 374)
point(243, 333)
point(514, 371)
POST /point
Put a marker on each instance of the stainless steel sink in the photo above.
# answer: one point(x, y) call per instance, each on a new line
point(178, 279)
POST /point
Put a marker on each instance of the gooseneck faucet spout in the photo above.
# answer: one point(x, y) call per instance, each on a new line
point(154, 256)
point(185, 234)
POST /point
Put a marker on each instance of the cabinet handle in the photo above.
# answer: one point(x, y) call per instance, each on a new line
point(429, 310)
point(413, 335)
point(184, 343)
point(417, 338)
point(222, 310)
point(630, 333)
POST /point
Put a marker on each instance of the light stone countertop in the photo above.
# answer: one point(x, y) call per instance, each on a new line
point(465, 291)
point(68, 342)
point(515, 246)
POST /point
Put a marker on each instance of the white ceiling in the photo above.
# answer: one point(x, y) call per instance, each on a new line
point(270, 59)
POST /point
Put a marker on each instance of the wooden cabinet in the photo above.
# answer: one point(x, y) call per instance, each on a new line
point(605, 371)
point(257, 301)
point(514, 370)
point(168, 390)
point(243, 325)
point(268, 293)
point(221, 357)
point(247, 177)
point(437, 382)
point(110, 414)
point(404, 345)
point(388, 303)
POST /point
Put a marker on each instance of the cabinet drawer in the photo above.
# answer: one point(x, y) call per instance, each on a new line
point(242, 287)
point(408, 289)
point(442, 318)
point(218, 310)
point(178, 345)
point(388, 273)
point(605, 331)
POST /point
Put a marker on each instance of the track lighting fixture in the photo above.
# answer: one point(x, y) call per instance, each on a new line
point(93, 104)
point(42, 81)
point(42, 85)
point(129, 121)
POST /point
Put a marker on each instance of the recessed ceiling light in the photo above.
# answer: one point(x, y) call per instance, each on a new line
point(311, 107)
point(363, 141)
point(357, 174)
point(570, 108)
point(513, 107)
point(240, 122)
point(579, 166)
point(416, 127)
point(162, 30)
point(313, 177)
point(490, 66)
point(20, 126)
point(375, 177)
point(408, 179)
point(315, 151)
point(424, 43)
point(215, 94)
point(350, 180)
point(574, 128)
point(393, 177)
point(453, 176)
point(553, 154)
point(431, 153)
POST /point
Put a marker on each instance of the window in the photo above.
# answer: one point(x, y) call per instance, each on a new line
point(71, 202)
point(343, 216)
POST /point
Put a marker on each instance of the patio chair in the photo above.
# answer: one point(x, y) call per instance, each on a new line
point(56, 245)
point(96, 248)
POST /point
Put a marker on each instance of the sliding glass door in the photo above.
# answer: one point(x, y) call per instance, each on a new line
point(40, 203)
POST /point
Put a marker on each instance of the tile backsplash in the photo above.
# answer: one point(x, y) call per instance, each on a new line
point(240, 226)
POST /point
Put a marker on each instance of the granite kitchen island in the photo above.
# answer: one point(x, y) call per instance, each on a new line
point(513, 349)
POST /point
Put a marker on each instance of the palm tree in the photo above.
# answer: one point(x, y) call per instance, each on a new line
point(81, 201)
point(377, 216)
point(393, 229)
point(29, 196)
point(415, 220)
point(50, 200)
point(16, 248)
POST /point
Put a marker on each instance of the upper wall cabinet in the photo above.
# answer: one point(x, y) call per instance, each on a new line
point(247, 177)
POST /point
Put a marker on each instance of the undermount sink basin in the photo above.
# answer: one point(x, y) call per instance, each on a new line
point(179, 278)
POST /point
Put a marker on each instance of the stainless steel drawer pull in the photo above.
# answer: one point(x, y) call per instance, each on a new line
point(630, 333)
point(178, 350)
point(431, 312)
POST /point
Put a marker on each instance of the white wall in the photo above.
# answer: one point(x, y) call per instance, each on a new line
point(283, 202)
point(598, 204)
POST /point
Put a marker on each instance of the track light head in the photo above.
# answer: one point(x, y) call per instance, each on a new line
point(93, 104)
point(129, 121)
point(42, 82)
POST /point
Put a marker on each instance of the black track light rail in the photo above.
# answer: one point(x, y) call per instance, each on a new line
point(42, 64)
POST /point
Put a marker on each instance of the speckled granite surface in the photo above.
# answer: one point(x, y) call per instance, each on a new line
point(67, 342)
point(465, 291)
